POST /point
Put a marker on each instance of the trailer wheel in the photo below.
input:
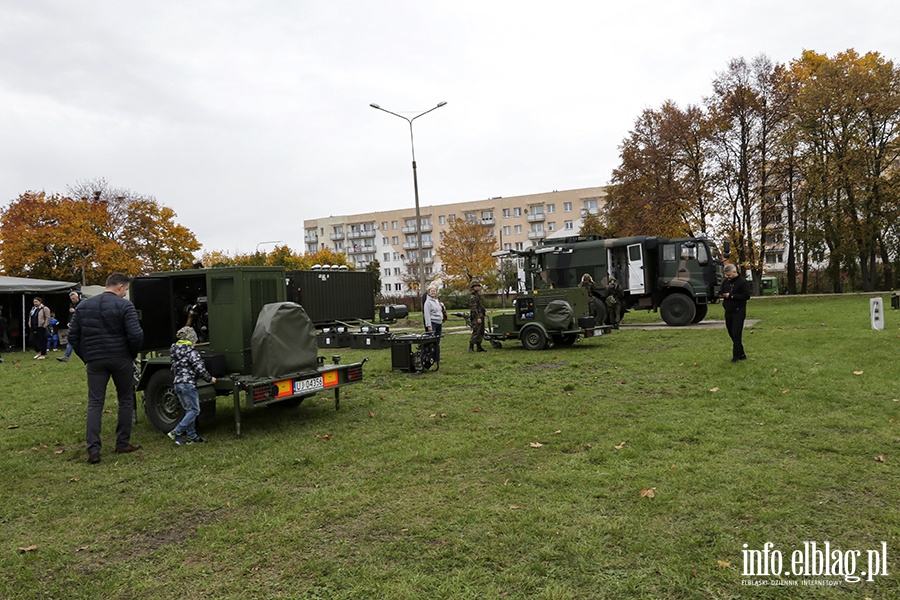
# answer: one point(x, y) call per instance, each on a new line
point(677, 310)
point(565, 340)
point(702, 309)
point(496, 344)
point(533, 338)
point(161, 403)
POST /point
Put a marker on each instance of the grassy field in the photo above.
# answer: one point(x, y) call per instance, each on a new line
point(634, 465)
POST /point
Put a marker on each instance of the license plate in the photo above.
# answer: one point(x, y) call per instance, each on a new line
point(309, 385)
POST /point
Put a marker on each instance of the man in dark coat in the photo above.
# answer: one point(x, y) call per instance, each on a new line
point(106, 335)
point(735, 293)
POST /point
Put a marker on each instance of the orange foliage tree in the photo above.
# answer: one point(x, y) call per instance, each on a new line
point(56, 237)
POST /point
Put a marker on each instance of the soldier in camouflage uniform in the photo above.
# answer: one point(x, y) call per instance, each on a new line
point(477, 314)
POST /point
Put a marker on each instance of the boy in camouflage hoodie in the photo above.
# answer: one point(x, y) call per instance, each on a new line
point(186, 367)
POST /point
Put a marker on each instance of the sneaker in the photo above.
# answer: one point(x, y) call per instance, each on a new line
point(175, 437)
point(62, 358)
point(196, 440)
point(41, 357)
point(37, 355)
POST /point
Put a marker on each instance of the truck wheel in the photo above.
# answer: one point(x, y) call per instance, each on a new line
point(677, 310)
point(702, 309)
point(161, 403)
point(534, 339)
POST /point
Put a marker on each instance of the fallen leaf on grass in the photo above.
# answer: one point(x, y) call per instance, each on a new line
point(326, 437)
point(535, 444)
point(723, 563)
point(476, 409)
point(648, 493)
point(880, 458)
point(857, 372)
point(557, 432)
point(16, 426)
point(82, 548)
point(73, 479)
point(620, 446)
point(58, 451)
point(513, 506)
point(775, 370)
point(785, 391)
point(715, 389)
point(28, 549)
point(371, 414)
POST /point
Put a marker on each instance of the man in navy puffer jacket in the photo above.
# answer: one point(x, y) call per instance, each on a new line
point(105, 334)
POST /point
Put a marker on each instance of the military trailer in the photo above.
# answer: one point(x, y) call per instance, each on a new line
point(546, 318)
point(333, 295)
point(261, 349)
point(678, 277)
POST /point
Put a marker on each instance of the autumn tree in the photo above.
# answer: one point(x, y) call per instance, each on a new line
point(465, 253)
point(58, 237)
point(591, 225)
point(660, 186)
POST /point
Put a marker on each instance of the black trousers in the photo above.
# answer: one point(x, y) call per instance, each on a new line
point(734, 323)
point(99, 372)
point(40, 340)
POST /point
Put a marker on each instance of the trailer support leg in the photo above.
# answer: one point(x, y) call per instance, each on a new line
point(236, 394)
point(337, 398)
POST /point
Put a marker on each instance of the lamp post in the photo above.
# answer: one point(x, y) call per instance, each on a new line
point(415, 188)
point(269, 242)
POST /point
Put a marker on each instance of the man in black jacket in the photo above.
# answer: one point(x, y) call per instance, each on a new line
point(736, 292)
point(106, 335)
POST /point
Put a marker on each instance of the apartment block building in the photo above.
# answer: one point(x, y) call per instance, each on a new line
point(390, 236)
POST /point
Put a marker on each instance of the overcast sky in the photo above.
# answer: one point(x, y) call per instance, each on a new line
point(248, 117)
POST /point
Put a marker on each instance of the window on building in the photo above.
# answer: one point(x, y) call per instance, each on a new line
point(387, 257)
point(393, 224)
point(398, 287)
point(537, 228)
point(551, 226)
point(567, 225)
point(537, 209)
point(551, 208)
point(487, 215)
point(567, 207)
point(442, 220)
point(384, 224)
point(451, 218)
point(395, 240)
point(520, 246)
point(517, 212)
point(397, 256)
point(387, 287)
point(339, 246)
point(518, 229)
point(505, 213)
point(385, 241)
point(397, 271)
point(507, 230)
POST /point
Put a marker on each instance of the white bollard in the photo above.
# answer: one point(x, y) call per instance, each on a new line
point(876, 309)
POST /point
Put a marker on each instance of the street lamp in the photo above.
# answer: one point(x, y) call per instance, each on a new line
point(269, 242)
point(415, 187)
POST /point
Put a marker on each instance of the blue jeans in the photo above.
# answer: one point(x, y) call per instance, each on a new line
point(69, 350)
point(190, 401)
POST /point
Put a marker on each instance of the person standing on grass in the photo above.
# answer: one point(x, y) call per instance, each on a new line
point(106, 335)
point(477, 315)
point(434, 320)
point(187, 366)
point(39, 319)
point(74, 299)
point(735, 293)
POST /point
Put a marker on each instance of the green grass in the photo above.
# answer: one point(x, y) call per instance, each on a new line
point(433, 486)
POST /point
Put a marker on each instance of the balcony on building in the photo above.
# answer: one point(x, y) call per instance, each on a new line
point(361, 234)
point(409, 229)
point(535, 217)
point(337, 236)
point(536, 235)
point(360, 249)
point(310, 237)
point(488, 221)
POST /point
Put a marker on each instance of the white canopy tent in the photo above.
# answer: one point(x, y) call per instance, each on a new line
point(23, 286)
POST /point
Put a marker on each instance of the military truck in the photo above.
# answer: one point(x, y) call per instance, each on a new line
point(258, 346)
point(546, 318)
point(678, 277)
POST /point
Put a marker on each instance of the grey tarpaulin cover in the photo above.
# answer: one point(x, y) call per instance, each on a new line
point(558, 315)
point(283, 341)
